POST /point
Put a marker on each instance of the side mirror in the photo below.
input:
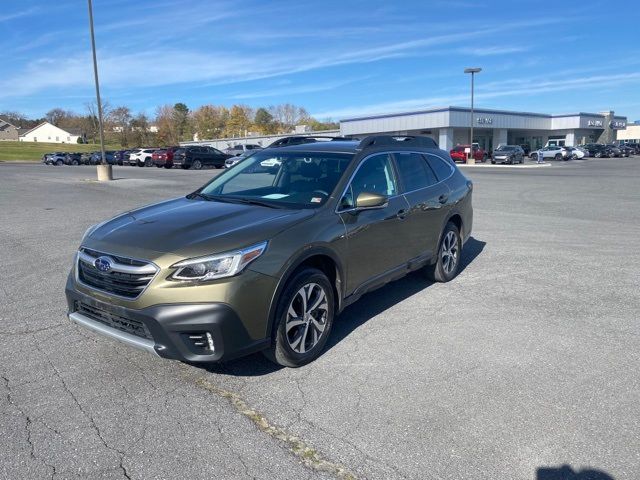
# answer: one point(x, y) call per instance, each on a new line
point(370, 200)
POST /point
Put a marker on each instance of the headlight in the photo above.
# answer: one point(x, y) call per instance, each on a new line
point(216, 266)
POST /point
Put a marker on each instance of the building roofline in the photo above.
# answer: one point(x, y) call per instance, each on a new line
point(45, 122)
point(476, 110)
point(2, 119)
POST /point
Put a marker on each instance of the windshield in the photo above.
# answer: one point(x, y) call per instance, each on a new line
point(280, 179)
point(505, 148)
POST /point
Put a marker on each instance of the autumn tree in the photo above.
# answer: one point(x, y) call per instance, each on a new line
point(182, 122)
point(239, 121)
point(120, 120)
point(264, 122)
point(140, 135)
point(165, 121)
point(288, 116)
point(209, 121)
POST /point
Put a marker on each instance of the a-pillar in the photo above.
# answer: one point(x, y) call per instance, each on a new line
point(445, 138)
point(499, 137)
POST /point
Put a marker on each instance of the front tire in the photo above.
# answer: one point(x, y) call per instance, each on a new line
point(304, 317)
point(196, 165)
point(449, 255)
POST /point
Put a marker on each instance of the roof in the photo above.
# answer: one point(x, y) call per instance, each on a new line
point(476, 110)
point(4, 120)
point(71, 131)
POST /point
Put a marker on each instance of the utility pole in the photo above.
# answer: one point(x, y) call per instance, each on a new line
point(470, 158)
point(105, 172)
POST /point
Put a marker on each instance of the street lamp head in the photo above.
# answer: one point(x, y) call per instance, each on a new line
point(472, 70)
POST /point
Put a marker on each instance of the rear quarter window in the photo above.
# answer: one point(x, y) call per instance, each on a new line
point(441, 167)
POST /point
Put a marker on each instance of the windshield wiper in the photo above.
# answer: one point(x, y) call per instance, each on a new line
point(198, 194)
point(251, 201)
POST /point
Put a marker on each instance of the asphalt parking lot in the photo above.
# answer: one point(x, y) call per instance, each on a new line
point(524, 367)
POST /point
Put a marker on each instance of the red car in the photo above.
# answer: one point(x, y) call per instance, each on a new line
point(458, 154)
point(164, 157)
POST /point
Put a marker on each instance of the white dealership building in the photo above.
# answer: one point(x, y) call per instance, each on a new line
point(450, 126)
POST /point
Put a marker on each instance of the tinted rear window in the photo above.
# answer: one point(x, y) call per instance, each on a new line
point(414, 171)
point(442, 168)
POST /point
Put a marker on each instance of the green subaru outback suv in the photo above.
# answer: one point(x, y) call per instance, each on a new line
point(267, 254)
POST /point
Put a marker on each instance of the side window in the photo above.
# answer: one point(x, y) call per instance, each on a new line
point(441, 168)
point(414, 171)
point(375, 175)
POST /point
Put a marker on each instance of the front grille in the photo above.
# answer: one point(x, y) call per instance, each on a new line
point(126, 277)
point(128, 325)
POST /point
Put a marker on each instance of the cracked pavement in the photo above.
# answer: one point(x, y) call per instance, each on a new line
point(527, 361)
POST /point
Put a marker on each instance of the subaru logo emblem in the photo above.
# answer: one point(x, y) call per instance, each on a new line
point(103, 264)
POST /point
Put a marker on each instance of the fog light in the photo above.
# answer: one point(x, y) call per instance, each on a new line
point(210, 341)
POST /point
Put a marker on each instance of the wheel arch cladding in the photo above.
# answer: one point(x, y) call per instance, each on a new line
point(319, 259)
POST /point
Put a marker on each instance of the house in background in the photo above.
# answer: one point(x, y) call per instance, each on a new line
point(8, 131)
point(48, 133)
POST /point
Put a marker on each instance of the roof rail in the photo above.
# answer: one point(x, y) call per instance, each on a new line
point(296, 139)
point(397, 141)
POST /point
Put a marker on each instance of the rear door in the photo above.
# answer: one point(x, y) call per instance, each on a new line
point(427, 199)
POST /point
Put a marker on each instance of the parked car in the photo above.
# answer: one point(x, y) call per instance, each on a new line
point(56, 158)
point(458, 153)
point(627, 150)
point(635, 146)
point(73, 159)
point(615, 150)
point(508, 154)
point(597, 150)
point(196, 157)
point(120, 157)
point(96, 157)
point(240, 149)
point(574, 152)
point(164, 157)
point(141, 157)
point(231, 161)
point(554, 152)
point(259, 262)
point(85, 158)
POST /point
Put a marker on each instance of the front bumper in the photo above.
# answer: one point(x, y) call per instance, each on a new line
point(165, 330)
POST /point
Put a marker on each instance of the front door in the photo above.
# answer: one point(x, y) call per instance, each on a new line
point(374, 244)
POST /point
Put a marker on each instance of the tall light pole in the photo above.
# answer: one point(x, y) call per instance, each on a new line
point(105, 172)
point(472, 71)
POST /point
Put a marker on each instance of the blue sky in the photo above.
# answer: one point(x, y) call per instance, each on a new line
point(336, 58)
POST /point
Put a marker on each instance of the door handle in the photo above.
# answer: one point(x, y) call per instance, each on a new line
point(443, 198)
point(402, 214)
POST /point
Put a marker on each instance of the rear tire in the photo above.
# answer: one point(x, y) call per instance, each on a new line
point(558, 156)
point(74, 162)
point(148, 162)
point(59, 162)
point(449, 255)
point(196, 165)
point(304, 317)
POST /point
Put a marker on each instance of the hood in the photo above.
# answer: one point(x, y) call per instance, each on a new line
point(191, 228)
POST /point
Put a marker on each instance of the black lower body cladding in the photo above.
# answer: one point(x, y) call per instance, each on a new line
point(174, 329)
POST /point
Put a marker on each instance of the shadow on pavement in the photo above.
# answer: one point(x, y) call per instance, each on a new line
point(369, 306)
point(565, 472)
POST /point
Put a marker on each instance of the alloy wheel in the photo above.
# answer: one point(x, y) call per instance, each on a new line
point(449, 252)
point(306, 318)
